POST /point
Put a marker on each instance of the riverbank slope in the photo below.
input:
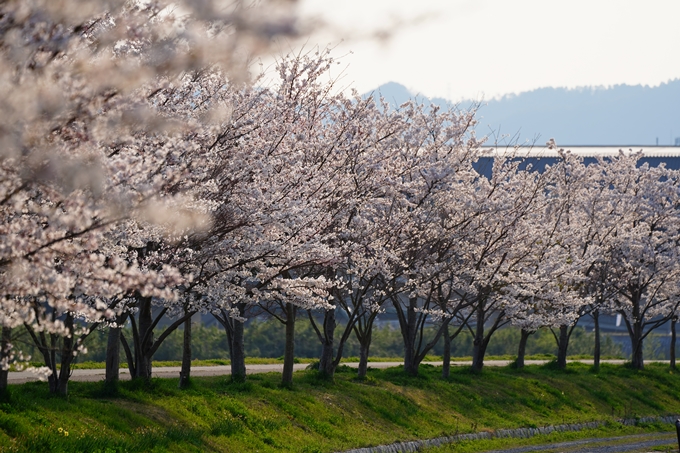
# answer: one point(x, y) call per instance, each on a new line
point(320, 416)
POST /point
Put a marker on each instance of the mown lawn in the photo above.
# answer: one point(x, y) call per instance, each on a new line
point(320, 416)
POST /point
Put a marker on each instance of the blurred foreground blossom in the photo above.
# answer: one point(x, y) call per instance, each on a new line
point(92, 158)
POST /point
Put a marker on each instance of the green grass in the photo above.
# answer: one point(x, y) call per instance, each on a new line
point(215, 414)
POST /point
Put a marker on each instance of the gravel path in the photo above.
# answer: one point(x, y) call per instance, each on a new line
point(636, 443)
point(20, 377)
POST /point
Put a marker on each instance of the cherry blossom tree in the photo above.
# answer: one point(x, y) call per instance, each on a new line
point(591, 218)
point(279, 188)
point(502, 242)
point(550, 288)
point(241, 172)
point(643, 255)
point(360, 230)
point(76, 85)
point(379, 146)
point(430, 191)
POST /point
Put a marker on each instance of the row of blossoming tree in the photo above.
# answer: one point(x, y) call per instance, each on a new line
point(144, 176)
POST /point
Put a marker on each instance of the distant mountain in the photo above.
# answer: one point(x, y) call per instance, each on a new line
point(620, 115)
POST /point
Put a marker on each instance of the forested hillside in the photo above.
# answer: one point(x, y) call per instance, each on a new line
point(618, 115)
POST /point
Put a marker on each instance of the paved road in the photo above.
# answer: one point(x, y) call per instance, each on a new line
point(634, 443)
point(21, 377)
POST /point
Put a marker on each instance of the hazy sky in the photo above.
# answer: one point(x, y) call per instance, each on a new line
point(485, 48)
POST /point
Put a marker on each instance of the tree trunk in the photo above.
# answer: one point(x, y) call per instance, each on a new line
point(289, 352)
point(562, 346)
point(47, 345)
point(364, 346)
point(53, 382)
point(129, 357)
point(67, 351)
point(112, 357)
point(237, 349)
point(327, 360)
point(636, 339)
point(113, 352)
point(635, 330)
point(185, 373)
point(64, 376)
point(598, 346)
point(521, 351)
point(479, 343)
point(49, 353)
point(408, 332)
point(228, 330)
point(238, 353)
point(637, 359)
point(145, 339)
point(672, 348)
point(233, 328)
point(446, 365)
point(5, 350)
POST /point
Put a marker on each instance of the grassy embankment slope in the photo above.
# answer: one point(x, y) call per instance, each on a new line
point(318, 416)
